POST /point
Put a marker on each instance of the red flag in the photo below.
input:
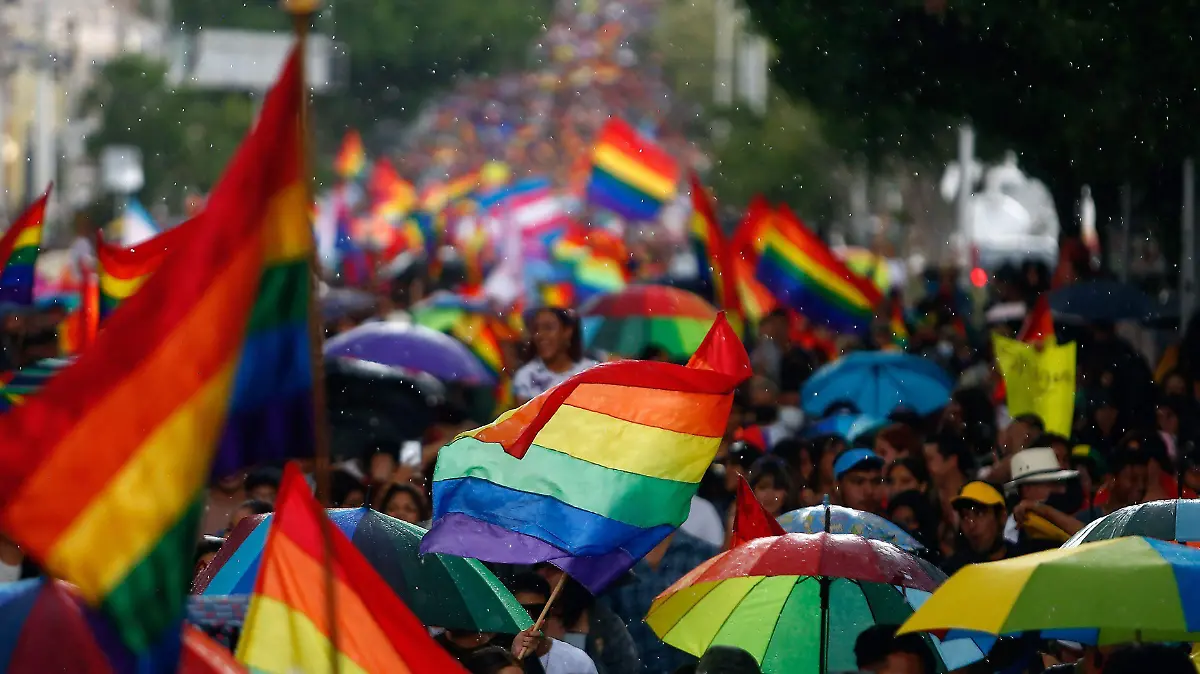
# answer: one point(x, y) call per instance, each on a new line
point(1039, 323)
point(751, 521)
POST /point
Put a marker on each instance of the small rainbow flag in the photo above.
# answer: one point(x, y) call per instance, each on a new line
point(138, 418)
point(351, 159)
point(19, 253)
point(390, 193)
point(899, 328)
point(438, 196)
point(291, 622)
point(712, 252)
point(746, 247)
point(595, 259)
point(630, 175)
point(560, 294)
point(595, 472)
point(799, 269)
point(124, 270)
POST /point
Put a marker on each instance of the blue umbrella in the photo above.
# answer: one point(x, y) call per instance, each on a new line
point(848, 427)
point(414, 348)
point(844, 520)
point(876, 383)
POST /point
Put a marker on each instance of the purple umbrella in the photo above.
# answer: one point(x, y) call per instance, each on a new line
point(412, 347)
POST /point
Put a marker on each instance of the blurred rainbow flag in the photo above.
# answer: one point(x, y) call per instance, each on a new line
point(746, 247)
point(390, 194)
point(19, 253)
point(351, 159)
point(712, 252)
point(630, 175)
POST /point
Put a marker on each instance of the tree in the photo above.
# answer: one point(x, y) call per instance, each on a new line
point(1086, 92)
point(186, 137)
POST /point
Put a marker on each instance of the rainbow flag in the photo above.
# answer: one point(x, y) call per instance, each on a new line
point(712, 251)
point(746, 248)
point(593, 473)
point(594, 259)
point(438, 196)
point(138, 418)
point(630, 175)
point(351, 159)
point(288, 627)
point(392, 195)
point(19, 253)
point(899, 328)
point(123, 270)
point(560, 294)
point(799, 269)
point(78, 329)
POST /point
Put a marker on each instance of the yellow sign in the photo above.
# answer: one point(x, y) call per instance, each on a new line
point(1039, 381)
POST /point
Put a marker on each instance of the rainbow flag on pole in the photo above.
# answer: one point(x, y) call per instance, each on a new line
point(102, 474)
point(799, 269)
point(712, 251)
point(593, 473)
point(288, 628)
point(124, 269)
point(631, 176)
point(19, 253)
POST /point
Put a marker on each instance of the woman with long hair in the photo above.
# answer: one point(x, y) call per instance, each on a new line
point(558, 353)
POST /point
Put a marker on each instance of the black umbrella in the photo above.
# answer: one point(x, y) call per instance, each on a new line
point(1101, 301)
point(369, 403)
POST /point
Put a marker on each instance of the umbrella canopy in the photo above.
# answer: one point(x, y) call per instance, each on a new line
point(369, 402)
point(1172, 520)
point(1110, 592)
point(848, 427)
point(412, 347)
point(628, 321)
point(877, 383)
point(470, 321)
point(48, 628)
point(844, 520)
point(1101, 301)
point(338, 303)
point(442, 590)
point(797, 601)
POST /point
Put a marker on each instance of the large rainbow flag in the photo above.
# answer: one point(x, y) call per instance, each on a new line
point(803, 273)
point(19, 253)
point(288, 627)
point(593, 473)
point(123, 269)
point(631, 176)
point(102, 474)
point(712, 251)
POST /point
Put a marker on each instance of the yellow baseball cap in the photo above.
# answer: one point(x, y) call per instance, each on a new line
point(978, 492)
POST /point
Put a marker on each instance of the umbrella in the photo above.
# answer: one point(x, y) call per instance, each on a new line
point(797, 602)
point(1101, 301)
point(17, 384)
point(442, 590)
point(1116, 591)
point(369, 402)
point(1172, 520)
point(412, 347)
point(340, 302)
point(470, 321)
point(48, 628)
point(844, 520)
point(848, 427)
point(628, 321)
point(877, 383)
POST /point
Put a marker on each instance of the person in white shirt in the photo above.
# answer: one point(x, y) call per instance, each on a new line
point(548, 645)
point(558, 343)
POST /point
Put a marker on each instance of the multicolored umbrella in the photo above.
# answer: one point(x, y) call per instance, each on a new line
point(842, 520)
point(441, 590)
point(1122, 590)
point(17, 384)
point(470, 321)
point(848, 427)
point(1172, 520)
point(628, 321)
point(876, 383)
point(798, 602)
point(47, 628)
point(412, 347)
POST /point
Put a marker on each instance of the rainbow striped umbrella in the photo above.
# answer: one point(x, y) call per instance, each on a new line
point(628, 321)
point(1117, 591)
point(469, 320)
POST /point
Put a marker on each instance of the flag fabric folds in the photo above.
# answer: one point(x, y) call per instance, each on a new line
point(750, 520)
point(19, 253)
point(124, 269)
point(803, 273)
point(593, 473)
point(746, 246)
point(133, 425)
point(351, 159)
point(288, 628)
point(712, 251)
point(631, 176)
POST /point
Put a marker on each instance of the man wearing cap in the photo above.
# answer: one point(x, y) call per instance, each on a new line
point(1038, 522)
point(981, 515)
point(858, 475)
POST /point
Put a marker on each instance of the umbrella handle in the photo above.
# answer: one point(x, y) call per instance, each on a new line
point(537, 625)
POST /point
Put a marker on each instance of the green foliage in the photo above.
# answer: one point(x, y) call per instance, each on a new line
point(186, 137)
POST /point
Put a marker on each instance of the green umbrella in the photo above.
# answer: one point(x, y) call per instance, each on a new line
point(442, 590)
